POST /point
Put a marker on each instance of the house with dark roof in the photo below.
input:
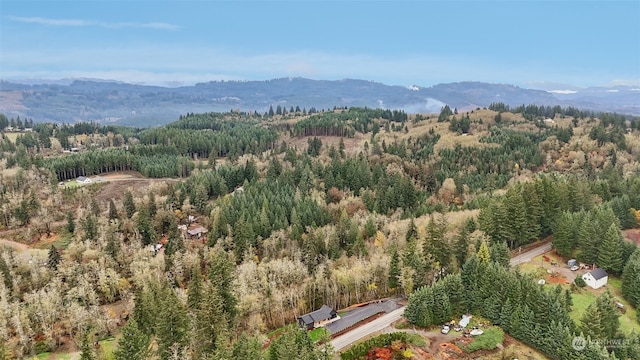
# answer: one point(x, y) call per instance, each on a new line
point(83, 180)
point(596, 278)
point(317, 318)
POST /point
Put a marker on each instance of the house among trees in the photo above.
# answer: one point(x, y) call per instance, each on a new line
point(197, 232)
point(317, 318)
point(597, 278)
point(83, 180)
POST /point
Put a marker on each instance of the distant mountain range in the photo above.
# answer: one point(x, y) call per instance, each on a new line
point(68, 101)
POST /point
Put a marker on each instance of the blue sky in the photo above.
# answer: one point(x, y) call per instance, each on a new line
point(161, 42)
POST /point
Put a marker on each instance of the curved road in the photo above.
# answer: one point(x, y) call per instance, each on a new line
point(382, 322)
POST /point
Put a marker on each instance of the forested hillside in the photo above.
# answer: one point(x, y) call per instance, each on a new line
point(237, 223)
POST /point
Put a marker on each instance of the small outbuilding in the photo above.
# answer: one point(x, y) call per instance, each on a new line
point(197, 232)
point(318, 318)
point(596, 278)
point(83, 180)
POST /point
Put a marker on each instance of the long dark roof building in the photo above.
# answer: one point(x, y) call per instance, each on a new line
point(322, 314)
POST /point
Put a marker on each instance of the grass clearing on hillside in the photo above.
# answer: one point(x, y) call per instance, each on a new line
point(628, 320)
point(488, 340)
point(12, 136)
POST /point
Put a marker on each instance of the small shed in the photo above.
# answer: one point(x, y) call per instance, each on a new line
point(317, 318)
point(596, 278)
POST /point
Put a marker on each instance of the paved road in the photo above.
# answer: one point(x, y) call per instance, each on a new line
point(527, 256)
point(358, 333)
point(382, 322)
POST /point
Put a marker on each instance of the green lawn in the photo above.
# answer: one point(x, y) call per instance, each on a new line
point(317, 333)
point(628, 321)
point(580, 302)
point(488, 340)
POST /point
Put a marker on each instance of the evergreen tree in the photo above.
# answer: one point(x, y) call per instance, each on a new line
point(95, 207)
point(370, 228)
point(483, 253)
point(517, 225)
point(221, 277)
point(294, 343)
point(609, 315)
point(209, 323)
point(172, 326)
point(146, 307)
point(71, 225)
point(461, 247)
point(90, 227)
point(359, 248)
point(499, 253)
point(113, 245)
point(505, 315)
point(243, 237)
point(591, 322)
point(153, 208)
point(436, 244)
point(86, 348)
point(564, 234)
point(174, 241)
point(631, 279)
point(134, 343)
point(129, 204)
point(587, 239)
point(412, 231)
point(145, 227)
point(610, 257)
point(247, 348)
point(113, 212)
point(394, 269)
point(54, 258)
point(194, 291)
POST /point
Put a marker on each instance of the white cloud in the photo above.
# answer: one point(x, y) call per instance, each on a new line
point(624, 82)
point(79, 22)
point(564, 92)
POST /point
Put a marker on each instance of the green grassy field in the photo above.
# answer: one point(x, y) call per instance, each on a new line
point(489, 340)
point(586, 296)
point(580, 302)
point(628, 322)
point(317, 333)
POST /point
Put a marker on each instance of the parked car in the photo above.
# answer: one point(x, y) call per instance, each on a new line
point(445, 329)
point(574, 268)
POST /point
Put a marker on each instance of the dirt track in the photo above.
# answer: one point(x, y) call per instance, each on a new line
point(13, 244)
point(118, 183)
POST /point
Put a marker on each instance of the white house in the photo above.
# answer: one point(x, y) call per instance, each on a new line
point(83, 180)
point(597, 278)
